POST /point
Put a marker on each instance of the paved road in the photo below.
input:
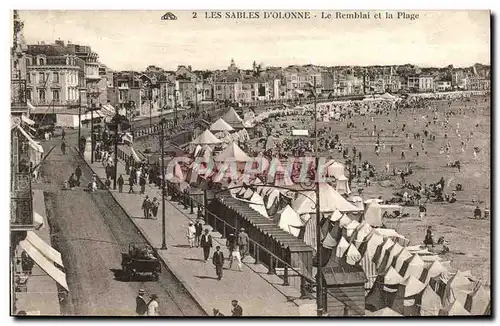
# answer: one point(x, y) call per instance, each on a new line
point(91, 230)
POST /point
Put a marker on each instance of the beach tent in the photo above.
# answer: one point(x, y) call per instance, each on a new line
point(384, 290)
point(457, 289)
point(373, 214)
point(233, 119)
point(412, 266)
point(335, 169)
point(290, 221)
point(407, 296)
point(330, 201)
point(220, 125)
point(477, 302)
point(244, 136)
point(436, 268)
point(454, 309)
point(430, 303)
point(206, 138)
point(342, 185)
point(232, 153)
point(258, 204)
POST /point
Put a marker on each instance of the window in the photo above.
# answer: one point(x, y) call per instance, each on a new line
point(42, 77)
point(41, 95)
point(28, 94)
point(42, 62)
point(28, 77)
point(55, 77)
point(55, 95)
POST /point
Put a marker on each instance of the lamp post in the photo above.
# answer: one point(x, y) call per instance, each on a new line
point(163, 185)
point(175, 106)
point(80, 122)
point(319, 281)
point(117, 122)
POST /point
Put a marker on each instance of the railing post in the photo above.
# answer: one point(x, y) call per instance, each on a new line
point(198, 213)
point(303, 291)
point(192, 206)
point(285, 276)
point(224, 235)
point(271, 265)
point(256, 248)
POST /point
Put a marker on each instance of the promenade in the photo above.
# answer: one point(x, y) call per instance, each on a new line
point(259, 294)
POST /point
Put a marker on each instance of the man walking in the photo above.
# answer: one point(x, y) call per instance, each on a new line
point(236, 311)
point(63, 134)
point(142, 183)
point(146, 207)
point(140, 303)
point(218, 261)
point(78, 174)
point(120, 182)
point(243, 242)
point(131, 181)
point(199, 232)
point(206, 244)
point(63, 148)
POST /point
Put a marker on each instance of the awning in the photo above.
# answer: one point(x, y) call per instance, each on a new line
point(27, 120)
point(49, 252)
point(30, 106)
point(45, 264)
point(38, 220)
point(134, 155)
point(36, 146)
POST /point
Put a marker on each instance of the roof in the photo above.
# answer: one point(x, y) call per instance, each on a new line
point(330, 201)
point(232, 117)
point(47, 49)
point(233, 153)
point(338, 273)
point(220, 125)
point(207, 137)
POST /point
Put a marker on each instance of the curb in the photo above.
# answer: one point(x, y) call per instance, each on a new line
point(195, 296)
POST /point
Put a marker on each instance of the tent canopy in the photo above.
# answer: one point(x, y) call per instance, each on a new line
point(373, 214)
point(290, 221)
point(232, 118)
point(206, 138)
point(233, 153)
point(220, 125)
point(330, 201)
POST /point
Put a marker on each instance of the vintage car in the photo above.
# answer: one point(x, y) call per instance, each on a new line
point(141, 259)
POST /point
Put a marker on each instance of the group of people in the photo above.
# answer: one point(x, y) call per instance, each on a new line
point(150, 207)
point(146, 307)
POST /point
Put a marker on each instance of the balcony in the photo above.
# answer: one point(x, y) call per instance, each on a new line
point(21, 203)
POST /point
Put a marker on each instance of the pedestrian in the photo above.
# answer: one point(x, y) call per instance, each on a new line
point(154, 207)
point(63, 134)
point(422, 209)
point(120, 182)
point(78, 174)
point(142, 183)
point(153, 305)
point(206, 244)
point(218, 261)
point(235, 255)
point(63, 148)
point(146, 207)
point(217, 313)
point(199, 231)
point(131, 181)
point(236, 311)
point(243, 242)
point(190, 234)
point(140, 303)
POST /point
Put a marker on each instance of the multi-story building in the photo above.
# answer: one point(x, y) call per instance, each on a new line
point(19, 103)
point(443, 85)
point(103, 84)
point(421, 83)
point(126, 93)
point(54, 80)
point(91, 71)
point(476, 83)
point(299, 79)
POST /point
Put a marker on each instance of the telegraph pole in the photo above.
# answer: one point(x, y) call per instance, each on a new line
point(163, 185)
point(116, 146)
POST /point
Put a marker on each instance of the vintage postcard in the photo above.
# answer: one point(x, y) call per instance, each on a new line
point(250, 163)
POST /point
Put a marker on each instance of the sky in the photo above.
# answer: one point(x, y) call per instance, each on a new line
point(132, 40)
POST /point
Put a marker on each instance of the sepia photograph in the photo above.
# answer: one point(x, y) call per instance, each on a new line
point(250, 163)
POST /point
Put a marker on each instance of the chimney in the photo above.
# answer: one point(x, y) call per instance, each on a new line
point(189, 68)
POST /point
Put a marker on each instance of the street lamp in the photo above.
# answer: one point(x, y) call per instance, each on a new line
point(319, 282)
point(163, 184)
